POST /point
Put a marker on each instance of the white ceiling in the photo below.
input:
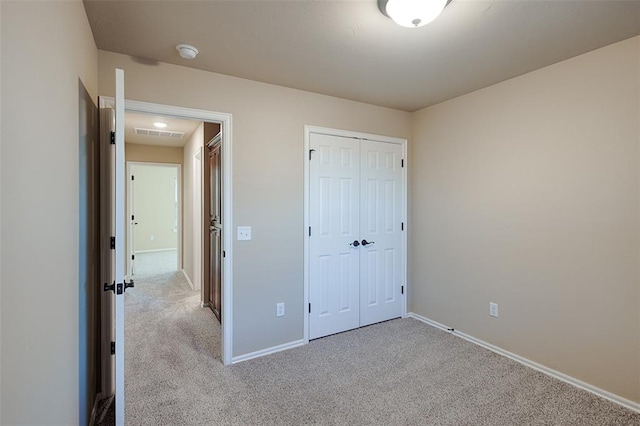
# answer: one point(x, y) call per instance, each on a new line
point(350, 50)
point(145, 121)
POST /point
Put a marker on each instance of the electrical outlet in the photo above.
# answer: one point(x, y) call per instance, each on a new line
point(244, 233)
point(493, 309)
point(280, 309)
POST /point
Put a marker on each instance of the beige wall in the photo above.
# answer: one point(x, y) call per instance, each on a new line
point(154, 207)
point(268, 133)
point(190, 229)
point(46, 47)
point(152, 154)
point(527, 194)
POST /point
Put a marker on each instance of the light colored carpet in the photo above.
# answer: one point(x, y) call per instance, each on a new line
point(400, 372)
point(155, 262)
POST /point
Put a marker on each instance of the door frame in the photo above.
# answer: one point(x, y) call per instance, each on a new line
point(226, 122)
point(308, 130)
point(130, 205)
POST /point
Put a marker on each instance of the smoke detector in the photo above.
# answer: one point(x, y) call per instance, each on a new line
point(187, 51)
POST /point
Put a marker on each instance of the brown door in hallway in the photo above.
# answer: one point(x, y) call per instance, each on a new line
point(215, 227)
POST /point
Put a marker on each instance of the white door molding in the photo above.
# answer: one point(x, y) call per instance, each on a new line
point(226, 122)
point(308, 131)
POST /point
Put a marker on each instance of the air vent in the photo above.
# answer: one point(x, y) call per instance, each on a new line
point(160, 133)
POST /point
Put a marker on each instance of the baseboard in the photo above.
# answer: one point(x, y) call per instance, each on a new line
point(156, 250)
point(267, 351)
point(532, 364)
point(94, 410)
point(188, 279)
point(204, 305)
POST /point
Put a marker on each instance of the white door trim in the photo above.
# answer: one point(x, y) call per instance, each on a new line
point(225, 120)
point(130, 206)
point(308, 130)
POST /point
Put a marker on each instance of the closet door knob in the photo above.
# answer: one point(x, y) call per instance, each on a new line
point(354, 244)
point(366, 243)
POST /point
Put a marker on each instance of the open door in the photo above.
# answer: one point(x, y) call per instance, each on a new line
point(119, 246)
point(113, 236)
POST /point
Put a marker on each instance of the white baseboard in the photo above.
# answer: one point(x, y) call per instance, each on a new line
point(94, 410)
point(532, 364)
point(155, 250)
point(186, 277)
point(267, 351)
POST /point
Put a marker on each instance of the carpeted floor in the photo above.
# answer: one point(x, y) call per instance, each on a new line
point(400, 372)
point(155, 262)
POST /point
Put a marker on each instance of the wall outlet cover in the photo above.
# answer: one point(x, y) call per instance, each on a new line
point(280, 309)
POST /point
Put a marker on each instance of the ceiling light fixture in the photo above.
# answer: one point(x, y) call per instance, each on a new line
point(412, 13)
point(187, 51)
point(160, 125)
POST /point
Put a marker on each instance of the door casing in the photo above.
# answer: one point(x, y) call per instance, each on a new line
point(308, 130)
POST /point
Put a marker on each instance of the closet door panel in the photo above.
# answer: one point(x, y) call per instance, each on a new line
point(334, 217)
point(381, 246)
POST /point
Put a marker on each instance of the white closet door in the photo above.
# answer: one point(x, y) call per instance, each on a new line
point(334, 218)
point(381, 254)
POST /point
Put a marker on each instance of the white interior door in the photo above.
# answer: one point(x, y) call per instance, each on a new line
point(356, 252)
point(120, 253)
point(334, 234)
point(381, 254)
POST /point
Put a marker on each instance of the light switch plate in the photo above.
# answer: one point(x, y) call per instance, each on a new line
point(493, 309)
point(244, 233)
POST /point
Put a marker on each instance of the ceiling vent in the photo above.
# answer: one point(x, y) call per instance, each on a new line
point(160, 133)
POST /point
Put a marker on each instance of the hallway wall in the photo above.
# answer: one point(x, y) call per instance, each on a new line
point(189, 227)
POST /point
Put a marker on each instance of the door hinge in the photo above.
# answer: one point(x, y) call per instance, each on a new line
point(402, 163)
point(311, 151)
point(309, 231)
point(133, 177)
point(401, 289)
point(402, 226)
point(113, 348)
point(113, 243)
point(224, 253)
point(112, 141)
point(309, 307)
point(133, 257)
point(133, 217)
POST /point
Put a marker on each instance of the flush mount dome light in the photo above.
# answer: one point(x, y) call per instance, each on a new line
point(160, 125)
point(412, 13)
point(187, 51)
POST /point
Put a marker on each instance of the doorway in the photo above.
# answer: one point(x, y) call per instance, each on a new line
point(225, 122)
point(154, 212)
point(355, 244)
